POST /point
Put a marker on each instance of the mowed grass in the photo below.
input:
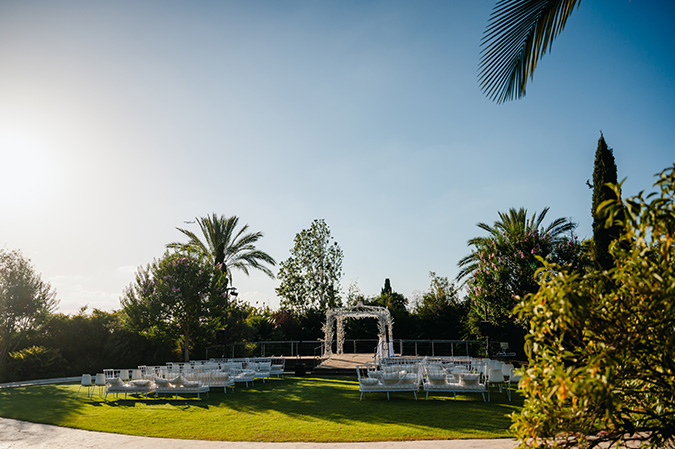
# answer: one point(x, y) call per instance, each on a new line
point(314, 409)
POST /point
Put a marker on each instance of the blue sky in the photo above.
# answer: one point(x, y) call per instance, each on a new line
point(121, 120)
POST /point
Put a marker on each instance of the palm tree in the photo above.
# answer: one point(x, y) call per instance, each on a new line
point(512, 225)
point(225, 246)
point(517, 36)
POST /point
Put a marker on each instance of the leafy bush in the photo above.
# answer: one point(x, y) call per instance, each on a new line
point(602, 344)
point(36, 362)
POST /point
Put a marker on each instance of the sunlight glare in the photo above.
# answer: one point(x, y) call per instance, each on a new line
point(29, 173)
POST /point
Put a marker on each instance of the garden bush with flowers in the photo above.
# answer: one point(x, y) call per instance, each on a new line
point(601, 344)
point(502, 266)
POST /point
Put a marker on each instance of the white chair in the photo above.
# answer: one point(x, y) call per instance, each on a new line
point(85, 382)
point(514, 379)
point(136, 374)
point(100, 383)
point(124, 375)
point(496, 377)
point(487, 366)
point(507, 370)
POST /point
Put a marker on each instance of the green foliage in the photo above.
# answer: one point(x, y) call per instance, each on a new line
point(604, 174)
point(82, 339)
point(25, 301)
point(93, 340)
point(35, 362)
point(287, 324)
point(263, 327)
point(440, 311)
point(501, 268)
point(226, 246)
point(601, 344)
point(390, 299)
point(178, 298)
point(518, 35)
point(310, 277)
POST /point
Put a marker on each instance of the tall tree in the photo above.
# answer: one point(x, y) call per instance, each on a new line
point(389, 298)
point(604, 175)
point(26, 301)
point(310, 277)
point(518, 34)
point(226, 246)
point(179, 299)
point(439, 310)
point(513, 225)
point(502, 267)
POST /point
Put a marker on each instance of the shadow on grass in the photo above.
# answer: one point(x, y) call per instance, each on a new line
point(313, 401)
point(337, 400)
point(50, 404)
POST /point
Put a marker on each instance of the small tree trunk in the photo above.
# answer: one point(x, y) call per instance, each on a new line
point(186, 347)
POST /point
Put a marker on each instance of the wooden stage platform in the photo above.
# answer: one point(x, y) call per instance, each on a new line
point(342, 363)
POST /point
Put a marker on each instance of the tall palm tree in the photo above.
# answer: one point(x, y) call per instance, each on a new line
point(512, 225)
point(517, 36)
point(225, 245)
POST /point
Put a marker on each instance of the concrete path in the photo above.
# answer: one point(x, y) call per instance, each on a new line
point(16, 434)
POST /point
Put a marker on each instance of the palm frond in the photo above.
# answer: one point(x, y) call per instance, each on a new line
point(223, 241)
point(518, 34)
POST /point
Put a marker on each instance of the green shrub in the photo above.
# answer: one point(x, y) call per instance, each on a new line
point(35, 362)
point(602, 344)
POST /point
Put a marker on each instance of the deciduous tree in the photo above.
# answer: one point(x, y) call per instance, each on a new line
point(439, 310)
point(310, 277)
point(26, 301)
point(179, 298)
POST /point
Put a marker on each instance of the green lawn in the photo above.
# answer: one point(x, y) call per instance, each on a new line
point(290, 409)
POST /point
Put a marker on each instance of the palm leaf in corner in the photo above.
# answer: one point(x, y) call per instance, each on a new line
point(517, 36)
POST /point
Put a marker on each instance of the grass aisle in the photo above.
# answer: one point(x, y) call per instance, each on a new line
point(291, 409)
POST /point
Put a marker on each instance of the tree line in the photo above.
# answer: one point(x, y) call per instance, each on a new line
point(185, 302)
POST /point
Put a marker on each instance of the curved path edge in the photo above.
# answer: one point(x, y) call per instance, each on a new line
point(17, 434)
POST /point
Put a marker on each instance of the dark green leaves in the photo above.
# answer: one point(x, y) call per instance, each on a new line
point(517, 36)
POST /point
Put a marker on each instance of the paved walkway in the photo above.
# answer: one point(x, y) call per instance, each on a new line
point(17, 434)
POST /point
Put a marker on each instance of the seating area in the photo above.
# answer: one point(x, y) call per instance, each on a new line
point(389, 378)
point(454, 375)
point(174, 379)
point(436, 375)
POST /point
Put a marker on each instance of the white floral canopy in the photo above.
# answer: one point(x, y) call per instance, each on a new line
point(338, 315)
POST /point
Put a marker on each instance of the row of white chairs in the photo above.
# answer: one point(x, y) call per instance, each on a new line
point(208, 373)
point(437, 374)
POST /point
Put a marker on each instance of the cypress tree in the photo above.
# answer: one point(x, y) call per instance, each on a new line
point(387, 287)
point(604, 172)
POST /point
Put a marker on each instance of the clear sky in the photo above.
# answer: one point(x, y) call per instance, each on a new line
point(121, 120)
